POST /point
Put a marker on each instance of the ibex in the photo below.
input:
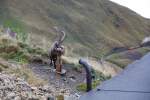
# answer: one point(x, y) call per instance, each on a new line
point(57, 49)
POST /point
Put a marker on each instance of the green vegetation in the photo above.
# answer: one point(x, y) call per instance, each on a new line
point(18, 51)
point(32, 50)
point(10, 50)
point(93, 27)
point(60, 97)
point(98, 78)
point(18, 57)
point(16, 26)
point(122, 59)
point(82, 86)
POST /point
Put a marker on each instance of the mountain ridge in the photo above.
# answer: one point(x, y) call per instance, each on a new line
point(92, 27)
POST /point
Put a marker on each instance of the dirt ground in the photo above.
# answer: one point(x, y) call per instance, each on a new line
point(69, 80)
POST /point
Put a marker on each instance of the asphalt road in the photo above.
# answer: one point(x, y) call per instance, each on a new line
point(131, 84)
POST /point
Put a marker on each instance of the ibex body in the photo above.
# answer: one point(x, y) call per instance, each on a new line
point(57, 49)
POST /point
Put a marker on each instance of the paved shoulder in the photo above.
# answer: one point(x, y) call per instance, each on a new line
point(131, 84)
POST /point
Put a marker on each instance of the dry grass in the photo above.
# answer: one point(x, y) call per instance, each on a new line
point(10, 49)
point(106, 68)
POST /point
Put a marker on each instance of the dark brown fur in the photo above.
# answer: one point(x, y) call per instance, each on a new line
point(57, 50)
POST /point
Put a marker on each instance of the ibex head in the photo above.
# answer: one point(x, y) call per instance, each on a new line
point(61, 35)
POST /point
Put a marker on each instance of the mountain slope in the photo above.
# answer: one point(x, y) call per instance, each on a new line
point(93, 26)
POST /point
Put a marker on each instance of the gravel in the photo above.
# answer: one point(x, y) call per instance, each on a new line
point(13, 88)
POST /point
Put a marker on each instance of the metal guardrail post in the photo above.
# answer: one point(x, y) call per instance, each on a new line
point(87, 68)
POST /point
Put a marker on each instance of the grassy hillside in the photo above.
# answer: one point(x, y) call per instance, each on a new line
point(122, 59)
point(93, 26)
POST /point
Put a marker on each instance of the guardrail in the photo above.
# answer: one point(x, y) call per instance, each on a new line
point(87, 68)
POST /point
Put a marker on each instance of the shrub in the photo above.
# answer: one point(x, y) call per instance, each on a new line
point(98, 77)
point(17, 27)
point(82, 86)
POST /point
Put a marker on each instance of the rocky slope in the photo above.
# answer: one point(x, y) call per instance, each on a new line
point(15, 85)
point(19, 82)
point(13, 88)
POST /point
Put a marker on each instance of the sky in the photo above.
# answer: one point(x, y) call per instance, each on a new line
point(142, 7)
